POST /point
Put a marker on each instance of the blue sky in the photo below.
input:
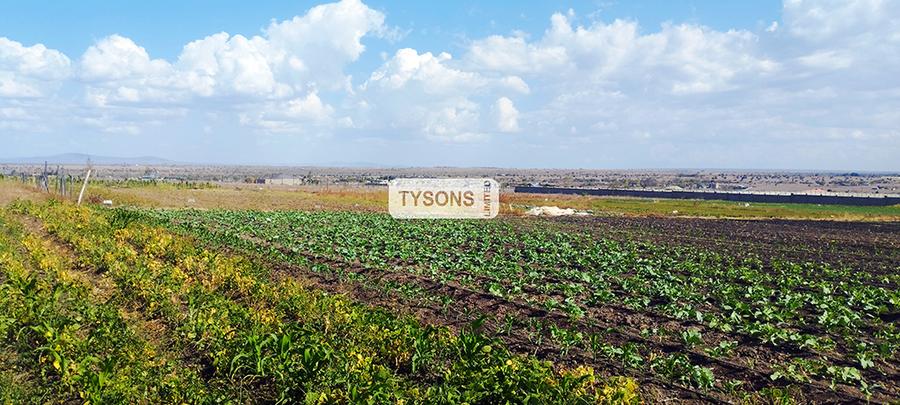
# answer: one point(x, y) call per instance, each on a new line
point(597, 84)
point(163, 27)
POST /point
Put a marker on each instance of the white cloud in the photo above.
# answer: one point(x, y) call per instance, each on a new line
point(516, 84)
point(309, 107)
point(424, 71)
point(36, 61)
point(507, 115)
point(283, 67)
point(430, 95)
point(609, 82)
point(844, 21)
point(319, 44)
point(291, 56)
point(859, 36)
point(226, 65)
point(117, 71)
point(454, 123)
point(435, 75)
point(827, 60)
point(301, 115)
point(18, 117)
point(130, 120)
point(515, 54)
point(30, 71)
point(12, 86)
point(822, 78)
point(680, 58)
point(116, 57)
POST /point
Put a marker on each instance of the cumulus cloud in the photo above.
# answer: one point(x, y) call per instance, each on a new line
point(319, 44)
point(821, 79)
point(116, 57)
point(306, 114)
point(272, 80)
point(681, 58)
point(36, 61)
point(458, 122)
point(810, 79)
point(30, 71)
point(507, 115)
point(291, 56)
point(224, 65)
point(430, 95)
point(434, 75)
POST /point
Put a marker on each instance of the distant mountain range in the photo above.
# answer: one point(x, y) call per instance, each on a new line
point(81, 158)
point(367, 165)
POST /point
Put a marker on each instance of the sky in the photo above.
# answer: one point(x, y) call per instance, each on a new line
point(799, 84)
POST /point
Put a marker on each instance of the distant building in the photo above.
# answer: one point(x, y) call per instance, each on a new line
point(731, 187)
point(150, 175)
point(287, 181)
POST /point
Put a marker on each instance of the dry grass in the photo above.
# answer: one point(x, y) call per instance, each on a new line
point(374, 199)
point(11, 190)
point(244, 196)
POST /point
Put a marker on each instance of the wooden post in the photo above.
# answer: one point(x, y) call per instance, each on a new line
point(84, 185)
point(44, 185)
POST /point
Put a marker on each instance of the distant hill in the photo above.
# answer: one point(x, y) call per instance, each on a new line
point(367, 165)
point(81, 158)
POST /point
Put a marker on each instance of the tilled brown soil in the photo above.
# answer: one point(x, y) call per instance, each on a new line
point(867, 246)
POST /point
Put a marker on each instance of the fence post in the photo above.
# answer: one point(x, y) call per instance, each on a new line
point(83, 186)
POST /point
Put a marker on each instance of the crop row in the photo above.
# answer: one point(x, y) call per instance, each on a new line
point(62, 341)
point(825, 322)
point(264, 338)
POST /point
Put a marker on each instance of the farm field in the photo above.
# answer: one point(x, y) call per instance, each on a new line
point(383, 202)
point(103, 307)
point(684, 320)
point(374, 199)
point(340, 303)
